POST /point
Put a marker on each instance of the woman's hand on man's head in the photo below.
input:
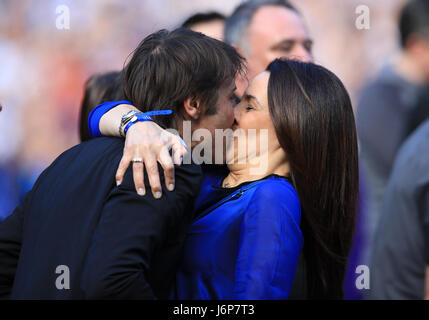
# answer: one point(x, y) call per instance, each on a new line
point(146, 144)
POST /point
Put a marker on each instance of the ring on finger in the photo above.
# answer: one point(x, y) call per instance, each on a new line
point(138, 160)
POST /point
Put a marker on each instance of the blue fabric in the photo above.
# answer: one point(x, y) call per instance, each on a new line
point(212, 175)
point(96, 114)
point(138, 118)
point(146, 117)
point(158, 113)
point(246, 248)
point(9, 191)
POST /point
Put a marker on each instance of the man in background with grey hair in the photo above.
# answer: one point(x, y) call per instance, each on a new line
point(262, 31)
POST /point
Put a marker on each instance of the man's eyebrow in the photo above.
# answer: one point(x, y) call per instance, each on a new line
point(289, 42)
point(282, 43)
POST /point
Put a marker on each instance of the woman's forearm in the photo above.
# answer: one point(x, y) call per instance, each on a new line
point(110, 122)
point(145, 141)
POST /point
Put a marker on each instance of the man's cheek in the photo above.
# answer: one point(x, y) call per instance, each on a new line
point(230, 119)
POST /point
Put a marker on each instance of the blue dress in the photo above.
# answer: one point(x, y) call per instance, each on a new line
point(245, 246)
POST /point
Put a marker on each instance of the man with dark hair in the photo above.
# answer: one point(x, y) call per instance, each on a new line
point(388, 109)
point(80, 235)
point(211, 24)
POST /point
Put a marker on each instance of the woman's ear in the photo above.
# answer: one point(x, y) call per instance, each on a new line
point(192, 108)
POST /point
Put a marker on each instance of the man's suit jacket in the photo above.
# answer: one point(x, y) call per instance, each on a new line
point(77, 235)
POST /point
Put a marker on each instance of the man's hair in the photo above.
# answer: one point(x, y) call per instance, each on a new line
point(99, 88)
point(237, 23)
point(202, 18)
point(169, 67)
point(414, 19)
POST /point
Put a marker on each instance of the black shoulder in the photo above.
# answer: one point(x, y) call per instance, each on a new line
point(191, 174)
point(104, 147)
point(188, 179)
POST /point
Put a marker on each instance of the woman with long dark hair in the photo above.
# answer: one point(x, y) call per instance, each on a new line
point(313, 118)
point(286, 231)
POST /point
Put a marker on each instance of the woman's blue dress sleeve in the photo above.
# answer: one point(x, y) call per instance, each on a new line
point(96, 114)
point(270, 242)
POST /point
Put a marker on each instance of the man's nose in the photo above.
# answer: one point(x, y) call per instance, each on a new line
point(302, 54)
point(236, 114)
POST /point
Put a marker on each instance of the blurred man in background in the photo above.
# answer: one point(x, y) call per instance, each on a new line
point(389, 109)
point(400, 259)
point(211, 24)
point(264, 31)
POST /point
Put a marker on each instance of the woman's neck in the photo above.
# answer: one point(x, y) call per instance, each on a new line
point(243, 173)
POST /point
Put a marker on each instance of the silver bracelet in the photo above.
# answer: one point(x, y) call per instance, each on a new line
point(125, 119)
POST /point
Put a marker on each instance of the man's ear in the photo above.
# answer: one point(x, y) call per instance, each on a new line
point(192, 108)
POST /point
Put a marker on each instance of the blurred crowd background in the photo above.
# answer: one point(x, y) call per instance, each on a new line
point(43, 69)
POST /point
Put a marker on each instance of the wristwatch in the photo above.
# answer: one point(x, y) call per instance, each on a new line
point(140, 117)
point(125, 119)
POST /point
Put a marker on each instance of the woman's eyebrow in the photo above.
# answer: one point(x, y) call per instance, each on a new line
point(249, 97)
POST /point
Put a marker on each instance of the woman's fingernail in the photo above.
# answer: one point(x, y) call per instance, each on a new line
point(118, 182)
point(180, 161)
point(157, 195)
point(171, 187)
point(141, 192)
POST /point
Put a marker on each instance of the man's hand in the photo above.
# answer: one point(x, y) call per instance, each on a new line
point(149, 142)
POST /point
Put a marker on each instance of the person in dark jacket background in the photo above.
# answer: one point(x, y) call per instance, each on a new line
point(400, 258)
point(392, 99)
